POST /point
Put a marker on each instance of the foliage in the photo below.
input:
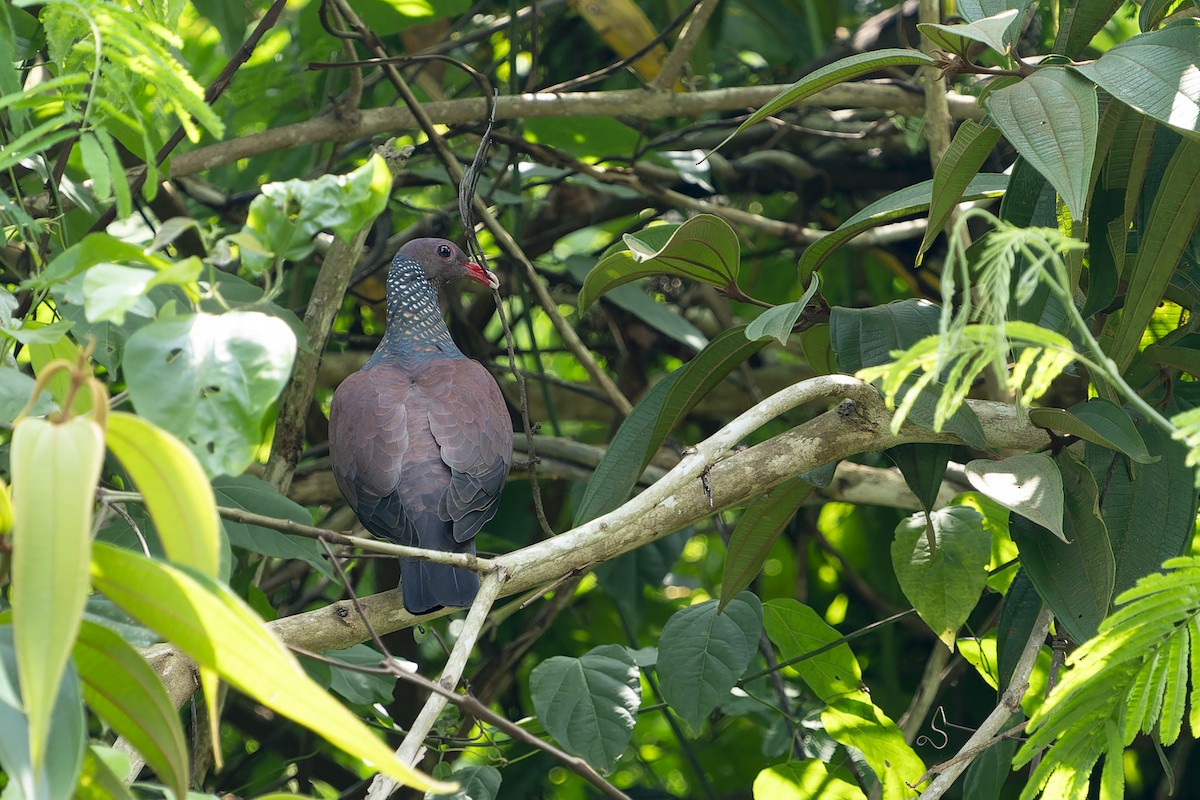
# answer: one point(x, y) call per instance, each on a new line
point(190, 215)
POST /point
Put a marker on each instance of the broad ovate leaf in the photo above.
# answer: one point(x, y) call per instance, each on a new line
point(1028, 484)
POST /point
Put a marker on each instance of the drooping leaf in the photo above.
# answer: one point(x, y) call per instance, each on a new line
point(475, 781)
point(1079, 22)
point(175, 489)
point(756, 532)
point(120, 686)
point(985, 778)
point(211, 380)
point(1097, 420)
point(943, 585)
point(840, 71)
point(703, 652)
point(1148, 509)
point(589, 704)
point(1074, 577)
point(993, 31)
point(705, 249)
point(249, 493)
point(1028, 484)
point(1155, 73)
point(355, 686)
point(923, 467)
point(910, 200)
point(98, 780)
point(968, 150)
point(1052, 118)
point(777, 322)
point(217, 629)
point(1022, 605)
point(1173, 216)
point(626, 577)
point(798, 631)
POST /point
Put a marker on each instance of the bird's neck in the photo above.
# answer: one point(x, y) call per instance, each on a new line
point(415, 327)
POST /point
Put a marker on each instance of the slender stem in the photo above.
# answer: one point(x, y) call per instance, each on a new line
point(688, 38)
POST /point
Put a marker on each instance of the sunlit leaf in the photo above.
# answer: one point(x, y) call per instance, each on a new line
point(1029, 484)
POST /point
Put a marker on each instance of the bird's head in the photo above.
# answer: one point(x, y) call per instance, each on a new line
point(444, 261)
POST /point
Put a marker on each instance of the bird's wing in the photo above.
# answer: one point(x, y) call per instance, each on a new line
point(472, 427)
point(368, 441)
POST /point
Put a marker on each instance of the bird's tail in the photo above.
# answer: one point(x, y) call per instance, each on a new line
point(427, 586)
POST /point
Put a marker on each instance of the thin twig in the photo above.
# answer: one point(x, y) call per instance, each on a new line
point(688, 38)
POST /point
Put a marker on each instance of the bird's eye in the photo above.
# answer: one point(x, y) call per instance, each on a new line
point(443, 250)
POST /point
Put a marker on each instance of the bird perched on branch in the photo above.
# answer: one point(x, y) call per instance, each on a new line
point(420, 438)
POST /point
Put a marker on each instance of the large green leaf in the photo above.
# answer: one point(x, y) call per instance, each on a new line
point(803, 780)
point(589, 704)
point(211, 380)
point(1149, 510)
point(923, 467)
point(1155, 73)
point(249, 493)
point(1052, 118)
point(56, 776)
point(993, 31)
point(1029, 484)
point(475, 781)
point(216, 628)
point(756, 532)
point(120, 686)
point(863, 725)
point(840, 71)
point(703, 249)
point(943, 584)
point(175, 488)
point(1075, 578)
point(968, 150)
point(1173, 217)
point(1078, 22)
point(897, 205)
point(797, 631)
point(703, 652)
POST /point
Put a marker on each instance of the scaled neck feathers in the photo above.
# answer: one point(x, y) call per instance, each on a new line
point(415, 327)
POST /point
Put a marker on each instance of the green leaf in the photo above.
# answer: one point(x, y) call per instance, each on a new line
point(652, 419)
point(1022, 607)
point(797, 631)
point(249, 493)
point(910, 200)
point(1154, 73)
point(211, 381)
point(1149, 510)
point(95, 164)
point(59, 771)
point(987, 774)
point(175, 488)
point(1079, 22)
point(705, 249)
point(777, 322)
point(1097, 420)
point(840, 71)
point(923, 467)
point(1052, 118)
point(1155, 11)
point(220, 632)
point(756, 531)
point(93, 249)
point(993, 31)
point(803, 780)
point(626, 577)
point(360, 688)
point(589, 704)
point(703, 652)
point(968, 150)
point(15, 389)
point(1173, 217)
point(862, 725)
point(287, 214)
point(110, 291)
point(943, 585)
point(121, 687)
point(1075, 577)
point(475, 782)
point(1028, 484)
point(98, 781)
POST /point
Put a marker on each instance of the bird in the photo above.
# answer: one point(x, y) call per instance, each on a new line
point(420, 438)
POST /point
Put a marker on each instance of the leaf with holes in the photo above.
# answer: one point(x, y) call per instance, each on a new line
point(589, 704)
point(703, 652)
point(212, 381)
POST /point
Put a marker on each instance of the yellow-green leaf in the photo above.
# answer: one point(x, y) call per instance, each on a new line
point(177, 492)
point(120, 686)
point(54, 470)
point(216, 628)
